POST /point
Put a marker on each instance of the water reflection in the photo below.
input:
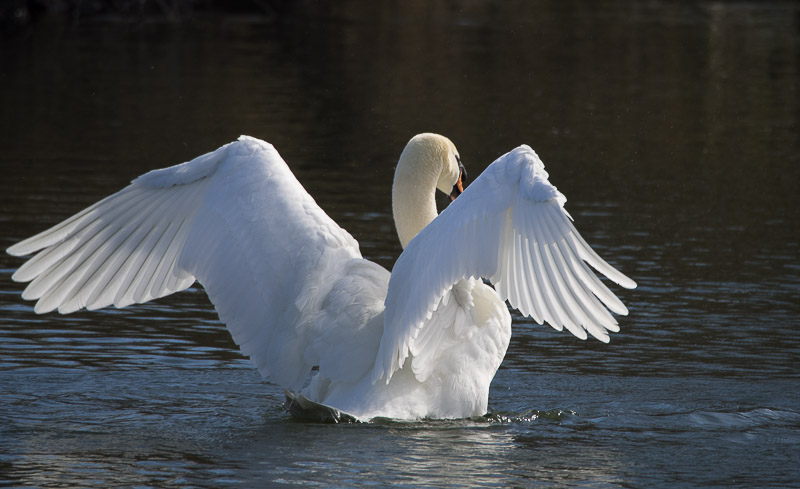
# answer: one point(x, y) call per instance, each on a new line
point(439, 455)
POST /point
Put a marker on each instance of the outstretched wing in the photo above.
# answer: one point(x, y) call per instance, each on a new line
point(510, 227)
point(236, 220)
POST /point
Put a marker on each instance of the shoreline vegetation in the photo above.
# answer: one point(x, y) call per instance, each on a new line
point(17, 15)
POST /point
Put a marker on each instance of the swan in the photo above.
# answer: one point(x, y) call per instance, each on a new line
point(344, 337)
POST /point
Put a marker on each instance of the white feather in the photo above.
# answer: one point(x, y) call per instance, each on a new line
point(294, 292)
point(522, 257)
point(219, 219)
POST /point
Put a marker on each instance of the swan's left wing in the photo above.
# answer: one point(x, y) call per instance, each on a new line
point(510, 227)
point(236, 220)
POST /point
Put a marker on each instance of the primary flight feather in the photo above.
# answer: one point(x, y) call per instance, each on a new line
point(295, 293)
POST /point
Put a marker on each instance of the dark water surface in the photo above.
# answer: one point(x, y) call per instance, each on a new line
point(672, 129)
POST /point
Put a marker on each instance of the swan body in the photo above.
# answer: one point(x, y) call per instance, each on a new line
point(295, 293)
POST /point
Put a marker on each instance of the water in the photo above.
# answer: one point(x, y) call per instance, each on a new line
point(671, 128)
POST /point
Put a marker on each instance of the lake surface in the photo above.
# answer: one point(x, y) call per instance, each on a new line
point(671, 128)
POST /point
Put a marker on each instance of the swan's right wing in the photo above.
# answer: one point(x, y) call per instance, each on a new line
point(510, 227)
point(235, 219)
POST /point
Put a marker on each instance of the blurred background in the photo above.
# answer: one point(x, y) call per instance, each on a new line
point(671, 127)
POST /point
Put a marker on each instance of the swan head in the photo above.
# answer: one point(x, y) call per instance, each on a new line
point(432, 154)
point(428, 162)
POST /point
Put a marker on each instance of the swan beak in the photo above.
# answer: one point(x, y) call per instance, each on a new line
point(459, 186)
point(457, 189)
point(462, 177)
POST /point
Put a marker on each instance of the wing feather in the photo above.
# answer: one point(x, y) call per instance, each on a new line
point(70, 226)
point(235, 219)
point(561, 298)
point(518, 236)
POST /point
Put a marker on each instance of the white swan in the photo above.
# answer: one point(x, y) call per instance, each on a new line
point(295, 293)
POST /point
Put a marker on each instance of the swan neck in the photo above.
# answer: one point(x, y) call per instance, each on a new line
point(413, 197)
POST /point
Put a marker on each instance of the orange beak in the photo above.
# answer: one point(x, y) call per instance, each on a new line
point(457, 189)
